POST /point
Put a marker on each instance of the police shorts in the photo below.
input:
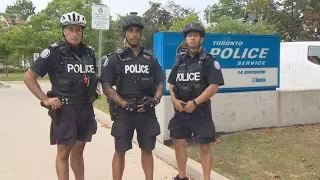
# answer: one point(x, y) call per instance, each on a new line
point(71, 123)
point(183, 125)
point(145, 124)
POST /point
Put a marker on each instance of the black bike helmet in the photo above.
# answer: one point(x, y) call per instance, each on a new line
point(132, 20)
point(194, 26)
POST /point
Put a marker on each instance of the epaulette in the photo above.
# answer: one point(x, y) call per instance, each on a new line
point(149, 53)
point(120, 51)
point(110, 54)
point(91, 48)
point(203, 57)
point(182, 53)
point(55, 45)
point(211, 55)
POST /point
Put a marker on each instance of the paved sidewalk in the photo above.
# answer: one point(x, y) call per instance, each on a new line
point(25, 152)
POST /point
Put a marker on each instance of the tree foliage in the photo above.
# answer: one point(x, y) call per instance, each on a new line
point(21, 8)
point(226, 16)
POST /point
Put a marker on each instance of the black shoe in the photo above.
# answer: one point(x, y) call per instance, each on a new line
point(178, 178)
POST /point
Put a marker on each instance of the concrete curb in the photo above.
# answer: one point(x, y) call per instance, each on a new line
point(5, 85)
point(164, 153)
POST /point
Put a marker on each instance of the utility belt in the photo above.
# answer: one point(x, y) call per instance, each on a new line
point(76, 100)
point(71, 100)
point(113, 107)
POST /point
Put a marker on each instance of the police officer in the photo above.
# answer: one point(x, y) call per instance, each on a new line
point(194, 79)
point(139, 80)
point(71, 66)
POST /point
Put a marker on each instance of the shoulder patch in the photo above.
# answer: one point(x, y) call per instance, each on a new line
point(45, 53)
point(216, 65)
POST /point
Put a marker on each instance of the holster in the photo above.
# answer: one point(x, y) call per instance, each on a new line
point(52, 113)
point(112, 109)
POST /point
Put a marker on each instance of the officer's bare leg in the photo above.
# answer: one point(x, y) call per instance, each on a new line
point(76, 160)
point(118, 163)
point(147, 163)
point(206, 160)
point(62, 161)
point(181, 156)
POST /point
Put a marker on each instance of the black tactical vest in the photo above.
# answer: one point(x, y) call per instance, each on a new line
point(134, 76)
point(190, 79)
point(77, 77)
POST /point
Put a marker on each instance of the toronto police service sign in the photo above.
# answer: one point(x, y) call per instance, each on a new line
point(248, 62)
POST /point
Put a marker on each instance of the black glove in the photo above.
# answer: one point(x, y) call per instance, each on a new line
point(131, 107)
point(150, 103)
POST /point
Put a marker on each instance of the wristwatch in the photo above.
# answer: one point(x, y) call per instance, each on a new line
point(195, 103)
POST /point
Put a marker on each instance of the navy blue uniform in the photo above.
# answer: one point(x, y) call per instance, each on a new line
point(134, 78)
point(72, 73)
point(191, 76)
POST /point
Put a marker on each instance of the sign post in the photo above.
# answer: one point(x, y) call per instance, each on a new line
point(100, 20)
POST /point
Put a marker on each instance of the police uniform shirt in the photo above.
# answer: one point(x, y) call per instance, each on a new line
point(109, 70)
point(49, 60)
point(211, 70)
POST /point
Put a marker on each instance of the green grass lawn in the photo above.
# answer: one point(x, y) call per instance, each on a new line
point(102, 104)
point(17, 77)
point(279, 153)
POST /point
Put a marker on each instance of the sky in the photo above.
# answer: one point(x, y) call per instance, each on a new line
point(125, 6)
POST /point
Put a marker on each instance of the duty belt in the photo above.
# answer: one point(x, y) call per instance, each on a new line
point(76, 100)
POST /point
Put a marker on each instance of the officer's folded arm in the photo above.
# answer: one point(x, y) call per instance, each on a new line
point(207, 93)
point(113, 95)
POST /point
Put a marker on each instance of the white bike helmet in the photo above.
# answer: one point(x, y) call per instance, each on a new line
point(73, 18)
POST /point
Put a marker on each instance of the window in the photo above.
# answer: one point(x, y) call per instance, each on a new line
point(314, 54)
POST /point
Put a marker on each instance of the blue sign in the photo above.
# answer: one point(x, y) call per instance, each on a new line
point(248, 62)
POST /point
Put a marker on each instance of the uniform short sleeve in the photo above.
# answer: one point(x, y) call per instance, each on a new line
point(174, 71)
point(108, 72)
point(213, 72)
point(157, 71)
point(173, 75)
point(45, 62)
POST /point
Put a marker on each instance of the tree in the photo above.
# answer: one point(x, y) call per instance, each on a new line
point(177, 11)
point(46, 24)
point(157, 19)
point(226, 24)
point(21, 8)
point(311, 20)
point(178, 25)
point(235, 9)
